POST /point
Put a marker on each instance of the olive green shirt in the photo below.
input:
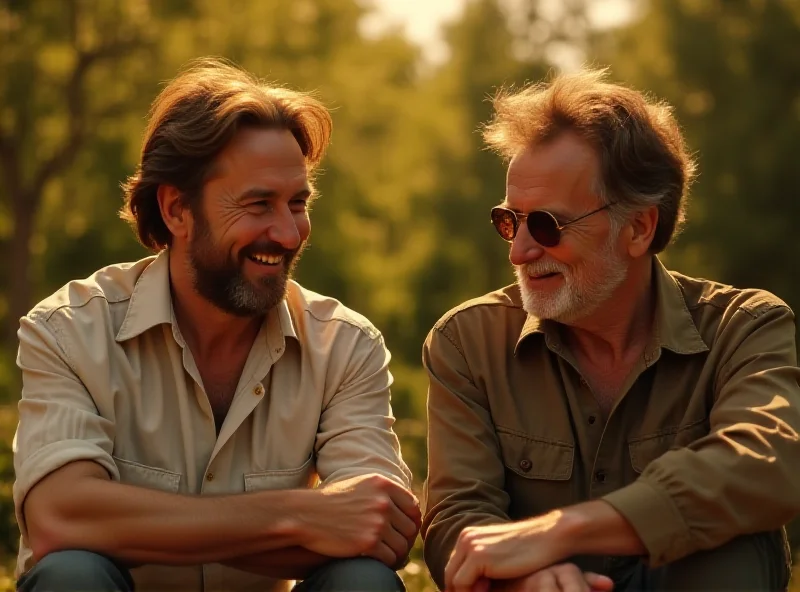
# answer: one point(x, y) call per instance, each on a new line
point(702, 446)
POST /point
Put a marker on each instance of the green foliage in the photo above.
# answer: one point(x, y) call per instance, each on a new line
point(401, 232)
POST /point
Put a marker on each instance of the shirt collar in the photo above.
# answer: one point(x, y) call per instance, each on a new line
point(151, 301)
point(675, 329)
point(674, 326)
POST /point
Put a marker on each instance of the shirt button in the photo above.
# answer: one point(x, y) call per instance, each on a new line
point(209, 476)
point(592, 419)
point(525, 465)
point(258, 390)
point(584, 384)
point(600, 476)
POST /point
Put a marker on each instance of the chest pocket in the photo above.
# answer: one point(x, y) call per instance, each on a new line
point(645, 449)
point(301, 477)
point(134, 473)
point(538, 472)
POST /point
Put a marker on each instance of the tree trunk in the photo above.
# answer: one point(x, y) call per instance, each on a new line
point(19, 259)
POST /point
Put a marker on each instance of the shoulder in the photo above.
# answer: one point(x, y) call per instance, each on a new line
point(97, 302)
point(725, 315)
point(317, 316)
point(486, 310)
point(712, 298)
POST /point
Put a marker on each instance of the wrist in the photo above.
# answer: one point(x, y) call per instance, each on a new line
point(299, 518)
point(572, 527)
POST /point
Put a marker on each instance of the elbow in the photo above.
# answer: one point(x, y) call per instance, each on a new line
point(44, 537)
point(49, 532)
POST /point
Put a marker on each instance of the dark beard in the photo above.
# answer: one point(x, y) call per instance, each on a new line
point(220, 280)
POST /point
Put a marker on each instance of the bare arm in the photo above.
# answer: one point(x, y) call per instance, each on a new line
point(80, 507)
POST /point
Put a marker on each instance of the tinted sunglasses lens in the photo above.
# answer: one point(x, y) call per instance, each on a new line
point(544, 229)
point(504, 222)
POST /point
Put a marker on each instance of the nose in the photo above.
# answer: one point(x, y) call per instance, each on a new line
point(524, 249)
point(283, 229)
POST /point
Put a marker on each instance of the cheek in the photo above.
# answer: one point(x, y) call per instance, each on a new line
point(303, 223)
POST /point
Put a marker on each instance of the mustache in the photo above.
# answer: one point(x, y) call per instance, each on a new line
point(267, 248)
point(542, 267)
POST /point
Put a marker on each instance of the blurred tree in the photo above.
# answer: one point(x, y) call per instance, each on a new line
point(52, 56)
point(732, 71)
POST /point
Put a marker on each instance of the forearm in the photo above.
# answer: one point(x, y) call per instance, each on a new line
point(77, 508)
point(596, 528)
point(291, 563)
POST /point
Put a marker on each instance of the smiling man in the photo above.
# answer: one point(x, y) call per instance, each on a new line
point(178, 413)
point(606, 422)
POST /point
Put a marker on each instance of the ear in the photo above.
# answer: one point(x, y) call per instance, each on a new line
point(642, 229)
point(175, 214)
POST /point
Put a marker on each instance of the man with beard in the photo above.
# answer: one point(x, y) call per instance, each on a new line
point(178, 412)
point(606, 422)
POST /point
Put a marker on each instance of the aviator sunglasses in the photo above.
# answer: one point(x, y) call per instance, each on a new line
point(542, 225)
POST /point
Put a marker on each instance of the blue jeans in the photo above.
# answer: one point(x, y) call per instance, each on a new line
point(84, 571)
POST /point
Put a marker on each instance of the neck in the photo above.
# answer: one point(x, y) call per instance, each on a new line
point(621, 326)
point(208, 330)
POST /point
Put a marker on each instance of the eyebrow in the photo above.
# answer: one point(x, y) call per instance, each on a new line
point(258, 193)
point(559, 214)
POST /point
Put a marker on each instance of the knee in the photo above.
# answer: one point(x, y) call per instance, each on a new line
point(362, 573)
point(75, 570)
point(750, 562)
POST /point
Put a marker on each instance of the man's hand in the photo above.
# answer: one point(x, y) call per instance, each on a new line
point(504, 551)
point(564, 577)
point(368, 515)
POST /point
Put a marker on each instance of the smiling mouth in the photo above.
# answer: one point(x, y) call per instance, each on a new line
point(266, 259)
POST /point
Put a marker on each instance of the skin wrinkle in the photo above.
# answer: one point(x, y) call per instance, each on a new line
point(255, 204)
point(558, 177)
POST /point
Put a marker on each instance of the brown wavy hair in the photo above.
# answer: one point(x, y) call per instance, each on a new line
point(644, 161)
point(193, 119)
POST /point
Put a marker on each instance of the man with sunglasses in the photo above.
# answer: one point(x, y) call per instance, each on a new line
point(606, 422)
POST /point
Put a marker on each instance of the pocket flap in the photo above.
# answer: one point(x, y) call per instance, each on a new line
point(645, 449)
point(536, 458)
point(135, 473)
point(300, 478)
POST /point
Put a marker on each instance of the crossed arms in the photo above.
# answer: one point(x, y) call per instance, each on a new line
point(67, 494)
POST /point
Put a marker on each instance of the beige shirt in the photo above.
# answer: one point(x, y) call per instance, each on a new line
point(702, 446)
point(107, 377)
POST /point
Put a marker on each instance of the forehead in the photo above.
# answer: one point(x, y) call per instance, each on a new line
point(559, 174)
point(260, 156)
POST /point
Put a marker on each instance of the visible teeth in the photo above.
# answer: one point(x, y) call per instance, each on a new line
point(267, 259)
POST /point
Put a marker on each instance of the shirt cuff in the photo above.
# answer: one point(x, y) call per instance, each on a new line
point(655, 518)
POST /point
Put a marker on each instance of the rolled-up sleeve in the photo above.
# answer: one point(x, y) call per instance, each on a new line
point(58, 420)
point(743, 476)
point(355, 434)
point(465, 468)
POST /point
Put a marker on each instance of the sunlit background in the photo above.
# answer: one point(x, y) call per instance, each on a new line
point(401, 232)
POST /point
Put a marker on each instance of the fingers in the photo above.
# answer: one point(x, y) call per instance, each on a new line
point(403, 499)
point(403, 524)
point(465, 577)
point(396, 542)
point(383, 553)
point(452, 567)
point(570, 578)
point(543, 582)
point(599, 583)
